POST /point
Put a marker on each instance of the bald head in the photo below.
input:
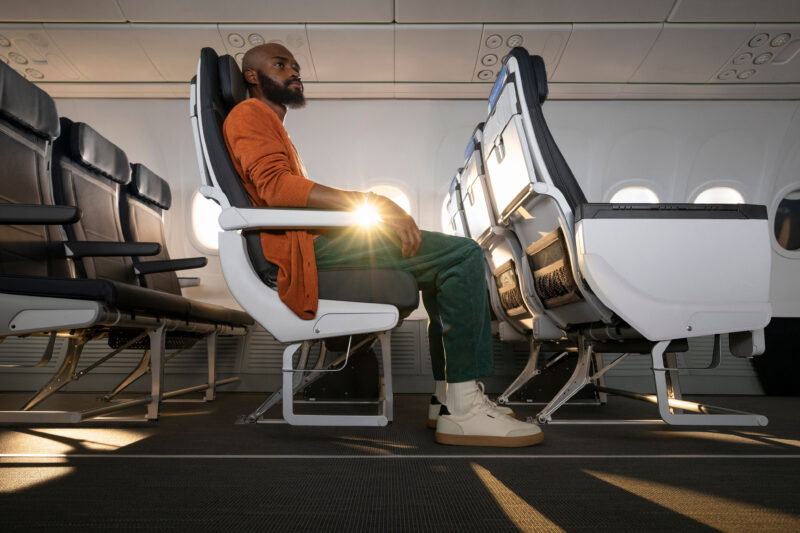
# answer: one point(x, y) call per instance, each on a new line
point(256, 56)
point(273, 75)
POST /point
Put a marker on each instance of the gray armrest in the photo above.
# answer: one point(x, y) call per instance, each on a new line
point(170, 265)
point(38, 214)
point(251, 218)
point(109, 249)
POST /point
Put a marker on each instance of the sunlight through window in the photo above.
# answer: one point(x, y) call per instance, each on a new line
point(635, 195)
point(719, 195)
point(394, 194)
point(205, 224)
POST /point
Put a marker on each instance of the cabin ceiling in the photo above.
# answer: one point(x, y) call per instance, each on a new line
point(618, 49)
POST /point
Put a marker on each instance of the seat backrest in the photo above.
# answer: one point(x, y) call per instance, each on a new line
point(141, 206)
point(220, 86)
point(456, 222)
point(88, 171)
point(28, 125)
point(474, 194)
point(517, 135)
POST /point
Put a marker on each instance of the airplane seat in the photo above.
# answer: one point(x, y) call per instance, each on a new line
point(41, 294)
point(28, 126)
point(89, 172)
point(501, 250)
point(619, 272)
point(521, 154)
point(141, 206)
point(456, 223)
point(352, 301)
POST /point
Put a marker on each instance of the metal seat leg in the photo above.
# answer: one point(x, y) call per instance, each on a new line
point(580, 377)
point(528, 373)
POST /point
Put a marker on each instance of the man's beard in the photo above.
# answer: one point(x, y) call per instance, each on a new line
point(281, 94)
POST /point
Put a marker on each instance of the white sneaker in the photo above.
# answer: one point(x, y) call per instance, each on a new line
point(435, 407)
point(482, 425)
point(433, 411)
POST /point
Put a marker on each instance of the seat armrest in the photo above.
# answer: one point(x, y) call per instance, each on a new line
point(38, 214)
point(250, 218)
point(109, 249)
point(170, 265)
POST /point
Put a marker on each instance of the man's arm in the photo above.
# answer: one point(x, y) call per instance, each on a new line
point(391, 213)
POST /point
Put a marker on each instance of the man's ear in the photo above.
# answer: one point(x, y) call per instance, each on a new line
point(251, 76)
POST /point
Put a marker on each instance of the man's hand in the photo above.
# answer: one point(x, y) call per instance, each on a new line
point(401, 222)
point(392, 214)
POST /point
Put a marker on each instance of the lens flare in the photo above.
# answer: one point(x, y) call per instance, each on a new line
point(367, 215)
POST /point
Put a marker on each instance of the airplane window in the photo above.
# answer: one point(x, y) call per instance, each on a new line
point(205, 225)
point(394, 194)
point(719, 195)
point(634, 195)
point(787, 221)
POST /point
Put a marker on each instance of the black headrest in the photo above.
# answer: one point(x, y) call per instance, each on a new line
point(231, 82)
point(537, 70)
point(94, 151)
point(147, 185)
point(541, 77)
point(26, 104)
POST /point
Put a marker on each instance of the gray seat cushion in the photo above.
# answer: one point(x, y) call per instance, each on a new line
point(371, 285)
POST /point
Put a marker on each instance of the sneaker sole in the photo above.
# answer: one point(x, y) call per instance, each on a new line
point(432, 421)
point(484, 440)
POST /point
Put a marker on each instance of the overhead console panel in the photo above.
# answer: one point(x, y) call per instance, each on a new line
point(258, 11)
point(239, 38)
point(535, 11)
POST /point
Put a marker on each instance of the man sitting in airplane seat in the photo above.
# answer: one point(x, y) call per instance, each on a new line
point(449, 270)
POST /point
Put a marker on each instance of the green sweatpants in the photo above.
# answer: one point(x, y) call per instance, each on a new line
point(450, 273)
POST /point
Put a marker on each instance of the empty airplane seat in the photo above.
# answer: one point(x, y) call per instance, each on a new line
point(141, 206)
point(474, 196)
point(456, 223)
point(28, 126)
point(75, 278)
point(88, 172)
point(624, 252)
point(501, 250)
point(615, 272)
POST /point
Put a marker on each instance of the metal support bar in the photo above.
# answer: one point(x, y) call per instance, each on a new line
point(105, 358)
point(555, 360)
point(387, 392)
point(277, 396)
point(599, 375)
point(603, 369)
point(47, 355)
point(578, 380)
point(211, 343)
point(666, 404)
point(64, 374)
point(290, 382)
point(141, 369)
point(528, 373)
point(73, 417)
point(158, 341)
point(673, 380)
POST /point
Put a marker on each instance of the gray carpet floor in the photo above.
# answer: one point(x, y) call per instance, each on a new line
point(196, 470)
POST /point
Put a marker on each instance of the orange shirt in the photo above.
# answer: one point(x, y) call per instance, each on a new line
point(274, 176)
